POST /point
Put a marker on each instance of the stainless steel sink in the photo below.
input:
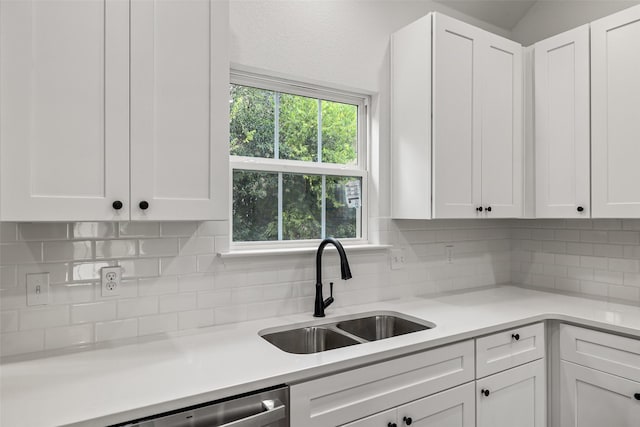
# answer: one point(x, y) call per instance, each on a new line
point(343, 332)
point(379, 327)
point(312, 339)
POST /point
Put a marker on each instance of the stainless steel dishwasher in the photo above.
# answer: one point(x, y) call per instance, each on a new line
point(264, 408)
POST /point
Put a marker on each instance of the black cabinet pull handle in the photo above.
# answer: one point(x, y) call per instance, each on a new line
point(515, 337)
point(407, 420)
point(392, 425)
point(117, 205)
point(637, 396)
point(488, 208)
point(580, 208)
point(144, 205)
point(479, 209)
point(485, 392)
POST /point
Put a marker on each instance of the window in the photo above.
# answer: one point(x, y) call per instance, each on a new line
point(298, 162)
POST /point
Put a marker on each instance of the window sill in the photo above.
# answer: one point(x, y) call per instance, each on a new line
point(299, 250)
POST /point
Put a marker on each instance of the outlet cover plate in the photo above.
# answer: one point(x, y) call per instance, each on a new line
point(111, 281)
point(38, 289)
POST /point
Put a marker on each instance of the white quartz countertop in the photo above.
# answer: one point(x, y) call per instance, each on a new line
point(115, 384)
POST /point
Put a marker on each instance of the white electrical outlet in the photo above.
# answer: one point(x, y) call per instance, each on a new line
point(397, 258)
point(38, 289)
point(111, 281)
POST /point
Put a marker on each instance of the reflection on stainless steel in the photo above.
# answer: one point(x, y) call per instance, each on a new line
point(314, 338)
point(375, 328)
point(267, 408)
point(309, 340)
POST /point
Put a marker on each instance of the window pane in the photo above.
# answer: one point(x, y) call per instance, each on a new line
point(298, 128)
point(255, 206)
point(342, 220)
point(301, 207)
point(252, 122)
point(339, 133)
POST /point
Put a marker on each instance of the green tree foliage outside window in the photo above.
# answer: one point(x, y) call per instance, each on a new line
point(257, 118)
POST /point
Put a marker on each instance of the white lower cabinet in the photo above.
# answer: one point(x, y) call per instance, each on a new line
point(513, 398)
point(364, 396)
point(451, 408)
point(600, 379)
point(591, 398)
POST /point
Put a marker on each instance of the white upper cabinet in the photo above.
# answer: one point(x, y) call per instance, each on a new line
point(457, 167)
point(501, 127)
point(562, 125)
point(64, 110)
point(615, 115)
point(89, 116)
point(179, 98)
point(463, 159)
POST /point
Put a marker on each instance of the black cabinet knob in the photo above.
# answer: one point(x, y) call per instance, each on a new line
point(637, 396)
point(117, 205)
point(144, 205)
point(407, 420)
point(485, 392)
point(488, 208)
point(580, 209)
point(479, 208)
point(392, 425)
point(515, 337)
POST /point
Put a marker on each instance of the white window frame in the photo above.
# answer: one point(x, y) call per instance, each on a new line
point(360, 170)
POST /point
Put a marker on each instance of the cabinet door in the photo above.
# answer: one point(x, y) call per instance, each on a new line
point(562, 125)
point(517, 397)
point(179, 109)
point(383, 419)
point(457, 49)
point(590, 398)
point(501, 129)
point(64, 110)
point(451, 408)
point(615, 115)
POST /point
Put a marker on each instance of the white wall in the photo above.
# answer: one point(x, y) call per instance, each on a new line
point(547, 18)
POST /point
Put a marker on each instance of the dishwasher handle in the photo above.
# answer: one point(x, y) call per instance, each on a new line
point(275, 410)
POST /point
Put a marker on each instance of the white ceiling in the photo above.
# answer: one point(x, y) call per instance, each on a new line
point(501, 13)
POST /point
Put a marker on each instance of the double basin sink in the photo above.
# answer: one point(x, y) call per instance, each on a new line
point(343, 332)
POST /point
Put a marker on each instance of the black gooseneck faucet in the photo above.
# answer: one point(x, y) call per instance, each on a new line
point(320, 303)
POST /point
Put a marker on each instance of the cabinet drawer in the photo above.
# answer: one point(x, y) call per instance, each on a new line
point(507, 349)
point(605, 352)
point(341, 398)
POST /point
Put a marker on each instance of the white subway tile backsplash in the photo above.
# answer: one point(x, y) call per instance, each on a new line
point(67, 251)
point(195, 319)
point(8, 232)
point(177, 302)
point(8, 276)
point(93, 230)
point(158, 324)
point(178, 228)
point(67, 336)
point(20, 253)
point(593, 236)
point(141, 267)
point(214, 299)
point(624, 265)
point(137, 307)
point(42, 231)
point(13, 343)
point(200, 282)
point(196, 245)
point(116, 248)
point(158, 286)
point(178, 265)
point(72, 293)
point(159, 247)
point(116, 329)
point(8, 321)
point(47, 317)
point(93, 312)
point(139, 229)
